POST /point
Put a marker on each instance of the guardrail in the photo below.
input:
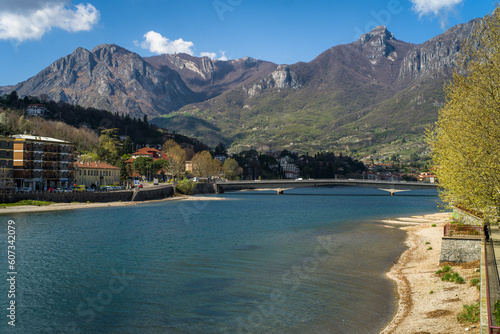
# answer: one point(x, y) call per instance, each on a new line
point(491, 329)
point(460, 230)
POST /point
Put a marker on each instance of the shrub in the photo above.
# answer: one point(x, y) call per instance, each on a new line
point(186, 186)
point(470, 314)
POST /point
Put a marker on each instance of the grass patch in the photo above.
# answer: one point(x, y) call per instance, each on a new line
point(443, 270)
point(427, 243)
point(448, 275)
point(26, 202)
point(432, 291)
point(433, 225)
point(475, 281)
point(430, 248)
point(470, 314)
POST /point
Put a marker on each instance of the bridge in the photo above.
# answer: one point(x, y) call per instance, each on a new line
point(281, 185)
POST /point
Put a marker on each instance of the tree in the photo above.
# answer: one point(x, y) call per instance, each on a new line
point(204, 165)
point(176, 158)
point(6, 180)
point(231, 168)
point(465, 142)
point(221, 149)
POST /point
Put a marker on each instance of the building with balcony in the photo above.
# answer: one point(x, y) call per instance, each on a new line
point(97, 174)
point(42, 162)
point(6, 162)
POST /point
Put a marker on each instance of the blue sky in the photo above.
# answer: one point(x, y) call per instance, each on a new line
point(35, 33)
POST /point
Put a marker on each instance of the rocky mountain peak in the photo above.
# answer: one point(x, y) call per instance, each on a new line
point(376, 43)
point(381, 33)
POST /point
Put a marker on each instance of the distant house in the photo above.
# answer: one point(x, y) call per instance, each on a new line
point(288, 167)
point(221, 158)
point(36, 109)
point(427, 177)
point(147, 152)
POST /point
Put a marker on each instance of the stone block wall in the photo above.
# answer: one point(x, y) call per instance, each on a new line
point(460, 250)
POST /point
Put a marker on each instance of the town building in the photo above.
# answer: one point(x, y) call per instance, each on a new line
point(42, 162)
point(96, 174)
point(288, 167)
point(427, 177)
point(147, 152)
point(36, 109)
point(6, 162)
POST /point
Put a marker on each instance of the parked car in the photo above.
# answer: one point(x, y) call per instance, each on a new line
point(58, 190)
point(90, 190)
point(50, 189)
point(25, 189)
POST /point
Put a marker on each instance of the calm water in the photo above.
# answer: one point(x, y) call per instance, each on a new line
point(310, 261)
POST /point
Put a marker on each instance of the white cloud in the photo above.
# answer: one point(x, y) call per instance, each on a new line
point(437, 8)
point(158, 44)
point(39, 17)
point(213, 55)
point(223, 55)
point(210, 55)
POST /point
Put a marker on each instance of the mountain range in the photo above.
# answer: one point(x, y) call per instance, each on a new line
point(374, 91)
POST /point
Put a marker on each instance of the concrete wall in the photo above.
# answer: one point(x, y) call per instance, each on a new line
point(460, 250)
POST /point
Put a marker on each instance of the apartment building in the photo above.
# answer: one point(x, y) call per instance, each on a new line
point(42, 162)
point(6, 161)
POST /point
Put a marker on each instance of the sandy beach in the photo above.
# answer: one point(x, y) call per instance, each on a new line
point(73, 206)
point(425, 303)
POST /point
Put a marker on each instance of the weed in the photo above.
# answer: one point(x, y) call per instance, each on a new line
point(496, 310)
point(470, 314)
point(431, 292)
point(430, 248)
point(443, 270)
point(475, 281)
point(433, 225)
point(427, 243)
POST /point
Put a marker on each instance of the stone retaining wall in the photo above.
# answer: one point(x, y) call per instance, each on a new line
point(112, 196)
point(460, 250)
point(147, 194)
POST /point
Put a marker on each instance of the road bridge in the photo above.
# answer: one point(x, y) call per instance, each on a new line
point(281, 185)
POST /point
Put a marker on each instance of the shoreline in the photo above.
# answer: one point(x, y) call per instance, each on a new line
point(75, 206)
point(425, 304)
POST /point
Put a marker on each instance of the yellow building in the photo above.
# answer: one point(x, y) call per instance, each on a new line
point(96, 174)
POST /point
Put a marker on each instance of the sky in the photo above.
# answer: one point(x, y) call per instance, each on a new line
point(35, 33)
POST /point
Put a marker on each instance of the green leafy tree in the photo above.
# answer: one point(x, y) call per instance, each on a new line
point(204, 165)
point(231, 168)
point(466, 140)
